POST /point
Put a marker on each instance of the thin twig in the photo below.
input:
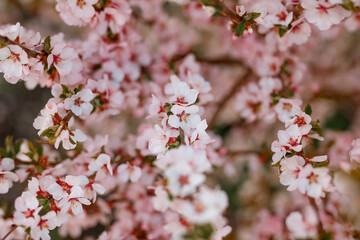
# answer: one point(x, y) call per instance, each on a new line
point(238, 84)
point(11, 230)
point(320, 226)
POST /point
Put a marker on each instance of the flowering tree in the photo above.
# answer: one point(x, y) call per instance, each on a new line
point(182, 119)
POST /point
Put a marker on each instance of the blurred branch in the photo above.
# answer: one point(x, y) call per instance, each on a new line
point(13, 227)
point(223, 9)
point(234, 89)
point(31, 53)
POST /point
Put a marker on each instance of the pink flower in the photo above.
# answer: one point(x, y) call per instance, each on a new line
point(27, 209)
point(41, 229)
point(322, 13)
point(74, 201)
point(181, 91)
point(314, 181)
point(12, 61)
point(128, 172)
point(102, 166)
point(6, 181)
point(290, 170)
point(184, 117)
point(83, 8)
point(79, 103)
point(290, 139)
point(61, 56)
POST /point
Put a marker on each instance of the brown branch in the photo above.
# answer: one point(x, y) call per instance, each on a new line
point(13, 227)
point(238, 84)
point(320, 226)
point(224, 10)
point(30, 53)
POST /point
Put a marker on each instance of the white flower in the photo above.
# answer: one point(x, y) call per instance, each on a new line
point(287, 108)
point(102, 166)
point(83, 8)
point(314, 181)
point(41, 229)
point(323, 14)
point(182, 180)
point(160, 141)
point(61, 56)
point(69, 139)
point(301, 228)
point(61, 189)
point(302, 120)
point(6, 181)
point(79, 103)
point(290, 170)
point(184, 117)
point(7, 164)
point(27, 209)
point(12, 61)
point(291, 138)
point(128, 172)
point(74, 201)
point(207, 206)
point(161, 200)
point(182, 92)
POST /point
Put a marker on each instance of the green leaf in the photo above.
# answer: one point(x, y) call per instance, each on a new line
point(282, 30)
point(103, 3)
point(18, 145)
point(47, 45)
point(254, 15)
point(240, 28)
point(49, 133)
point(308, 110)
point(3, 153)
point(348, 5)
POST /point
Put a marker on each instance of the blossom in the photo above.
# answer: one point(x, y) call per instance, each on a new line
point(12, 61)
point(181, 91)
point(102, 166)
point(69, 139)
point(74, 201)
point(83, 8)
point(61, 56)
point(41, 229)
point(27, 209)
point(79, 103)
point(161, 200)
point(6, 181)
point(184, 117)
point(61, 189)
point(322, 13)
point(314, 181)
point(290, 170)
point(302, 120)
point(128, 172)
point(290, 139)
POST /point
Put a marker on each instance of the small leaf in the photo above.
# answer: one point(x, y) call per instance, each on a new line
point(49, 133)
point(308, 110)
point(240, 28)
point(254, 15)
point(18, 145)
point(348, 5)
point(47, 45)
point(103, 3)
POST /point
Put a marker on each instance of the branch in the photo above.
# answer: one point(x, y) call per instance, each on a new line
point(320, 226)
point(13, 227)
point(224, 10)
point(30, 53)
point(238, 84)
